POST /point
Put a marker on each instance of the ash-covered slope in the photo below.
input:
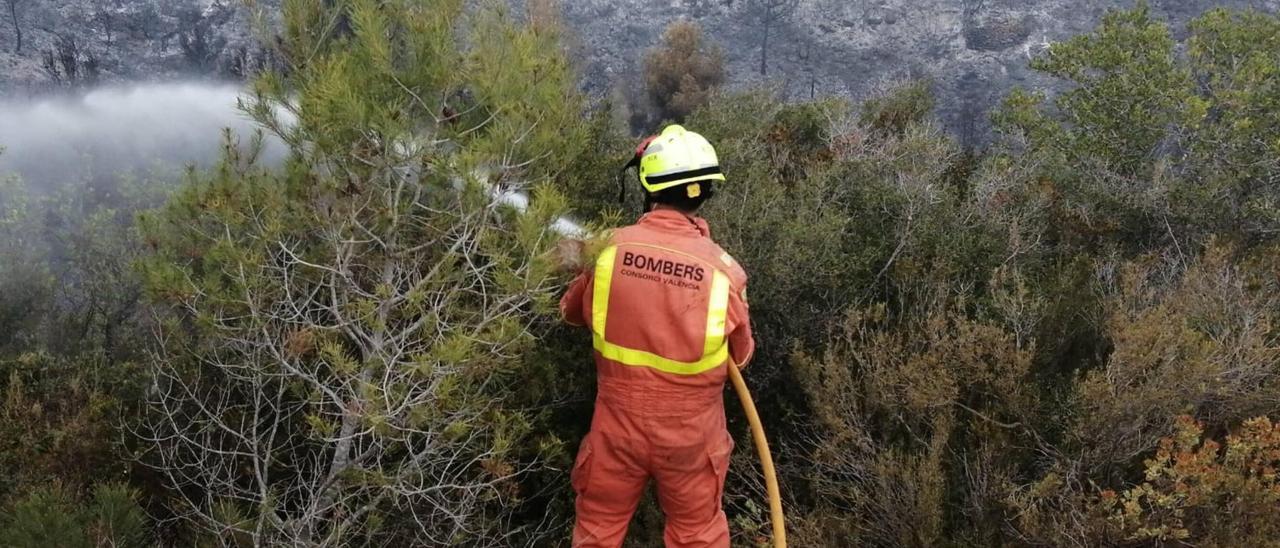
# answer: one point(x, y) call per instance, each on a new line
point(49, 45)
point(973, 50)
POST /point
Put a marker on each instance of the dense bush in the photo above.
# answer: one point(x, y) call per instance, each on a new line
point(49, 516)
point(915, 415)
point(1152, 146)
point(70, 342)
point(1203, 492)
point(682, 72)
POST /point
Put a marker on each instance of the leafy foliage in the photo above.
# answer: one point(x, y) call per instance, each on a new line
point(1152, 146)
point(1203, 492)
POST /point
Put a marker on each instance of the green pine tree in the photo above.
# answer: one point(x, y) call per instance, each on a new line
point(345, 336)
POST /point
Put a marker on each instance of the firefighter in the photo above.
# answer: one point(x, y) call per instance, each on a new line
point(667, 309)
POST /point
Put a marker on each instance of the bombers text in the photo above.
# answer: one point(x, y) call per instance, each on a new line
point(663, 266)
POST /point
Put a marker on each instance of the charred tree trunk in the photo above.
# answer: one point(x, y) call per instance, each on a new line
point(17, 28)
point(769, 14)
point(764, 42)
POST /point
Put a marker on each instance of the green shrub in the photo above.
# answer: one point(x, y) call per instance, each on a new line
point(1196, 341)
point(1202, 492)
point(59, 422)
point(917, 422)
point(1151, 147)
point(50, 516)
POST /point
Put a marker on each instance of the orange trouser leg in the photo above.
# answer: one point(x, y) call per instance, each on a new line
point(609, 478)
point(690, 489)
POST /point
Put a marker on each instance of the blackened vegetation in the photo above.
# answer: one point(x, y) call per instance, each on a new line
point(69, 64)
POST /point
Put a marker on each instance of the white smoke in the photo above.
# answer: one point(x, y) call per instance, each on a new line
point(117, 130)
point(563, 226)
point(139, 129)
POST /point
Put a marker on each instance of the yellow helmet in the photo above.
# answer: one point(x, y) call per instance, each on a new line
point(675, 157)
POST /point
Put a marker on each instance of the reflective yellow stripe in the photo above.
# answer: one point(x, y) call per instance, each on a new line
point(714, 349)
point(716, 312)
point(600, 293)
point(640, 358)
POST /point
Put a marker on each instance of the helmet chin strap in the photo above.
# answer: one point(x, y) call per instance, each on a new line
point(622, 178)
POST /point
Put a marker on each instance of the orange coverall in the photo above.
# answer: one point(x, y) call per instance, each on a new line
point(667, 308)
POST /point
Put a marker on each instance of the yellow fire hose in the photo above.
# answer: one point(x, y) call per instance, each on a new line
point(766, 458)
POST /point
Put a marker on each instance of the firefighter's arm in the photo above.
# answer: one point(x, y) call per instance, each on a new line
point(742, 344)
point(571, 305)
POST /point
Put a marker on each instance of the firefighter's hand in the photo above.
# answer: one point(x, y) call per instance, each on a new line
point(568, 255)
